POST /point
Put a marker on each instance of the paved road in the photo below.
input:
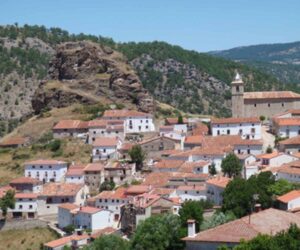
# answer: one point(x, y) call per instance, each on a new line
point(268, 138)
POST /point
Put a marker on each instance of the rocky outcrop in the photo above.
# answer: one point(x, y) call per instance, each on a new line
point(86, 72)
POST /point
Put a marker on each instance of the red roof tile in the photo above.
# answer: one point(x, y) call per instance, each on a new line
point(26, 196)
point(219, 181)
point(70, 124)
point(271, 95)
point(289, 196)
point(24, 180)
point(105, 142)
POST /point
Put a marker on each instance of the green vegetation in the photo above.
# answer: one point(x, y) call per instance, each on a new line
point(212, 169)
point(137, 156)
point(107, 242)
point(241, 195)
point(107, 185)
point(217, 219)
point(7, 201)
point(231, 166)
point(281, 241)
point(161, 232)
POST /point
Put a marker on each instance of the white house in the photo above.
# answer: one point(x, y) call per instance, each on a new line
point(75, 174)
point(170, 132)
point(46, 170)
point(105, 128)
point(275, 159)
point(111, 200)
point(25, 206)
point(194, 193)
point(196, 167)
point(106, 148)
point(215, 187)
point(55, 194)
point(84, 217)
point(135, 122)
point(291, 145)
point(247, 128)
point(70, 128)
point(254, 147)
point(290, 171)
point(26, 185)
point(290, 200)
point(286, 127)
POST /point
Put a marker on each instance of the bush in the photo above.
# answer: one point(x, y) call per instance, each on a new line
point(54, 145)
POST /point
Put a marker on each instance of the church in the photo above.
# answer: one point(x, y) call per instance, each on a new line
point(265, 103)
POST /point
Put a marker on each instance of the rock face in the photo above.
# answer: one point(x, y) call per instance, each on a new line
point(88, 73)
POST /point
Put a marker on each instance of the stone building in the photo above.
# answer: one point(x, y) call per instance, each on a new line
point(266, 103)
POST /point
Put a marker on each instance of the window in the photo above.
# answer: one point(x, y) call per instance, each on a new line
point(248, 151)
point(105, 200)
point(239, 151)
point(237, 88)
point(147, 121)
point(228, 131)
point(241, 132)
point(147, 127)
point(141, 121)
point(269, 105)
point(140, 128)
point(50, 167)
point(282, 104)
point(254, 104)
point(30, 206)
point(218, 132)
point(20, 206)
point(41, 166)
point(100, 200)
point(104, 150)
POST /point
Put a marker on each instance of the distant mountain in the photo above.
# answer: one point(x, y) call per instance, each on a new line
point(281, 60)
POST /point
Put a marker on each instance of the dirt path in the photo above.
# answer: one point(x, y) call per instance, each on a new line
point(267, 137)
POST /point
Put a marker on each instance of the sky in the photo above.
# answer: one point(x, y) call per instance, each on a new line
point(201, 25)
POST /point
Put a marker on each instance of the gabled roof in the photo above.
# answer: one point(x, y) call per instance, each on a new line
point(26, 196)
point(89, 210)
point(289, 196)
point(94, 167)
point(115, 194)
point(269, 221)
point(70, 124)
point(105, 142)
point(235, 120)
point(271, 95)
point(61, 189)
point(13, 141)
point(290, 168)
point(269, 156)
point(24, 180)
point(287, 121)
point(166, 163)
point(219, 181)
point(291, 141)
point(193, 139)
point(68, 206)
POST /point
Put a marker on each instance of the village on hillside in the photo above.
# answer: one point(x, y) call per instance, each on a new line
point(140, 167)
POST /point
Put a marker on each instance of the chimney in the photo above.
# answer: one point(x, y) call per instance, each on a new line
point(257, 208)
point(191, 228)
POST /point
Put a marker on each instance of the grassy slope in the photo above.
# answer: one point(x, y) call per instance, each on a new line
point(25, 239)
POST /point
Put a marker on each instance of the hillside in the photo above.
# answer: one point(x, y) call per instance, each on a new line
point(281, 60)
point(190, 81)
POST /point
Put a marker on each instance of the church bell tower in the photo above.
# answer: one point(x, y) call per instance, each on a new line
point(237, 96)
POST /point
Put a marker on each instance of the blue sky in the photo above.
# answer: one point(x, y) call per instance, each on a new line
point(201, 25)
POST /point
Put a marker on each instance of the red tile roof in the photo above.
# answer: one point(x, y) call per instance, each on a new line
point(287, 121)
point(235, 120)
point(290, 168)
point(105, 142)
point(68, 206)
point(166, 163)
point(269, 221)
point(59, 242)
point(26, 196)
point(124, 113)
point(219, 181)
point(115, 194)
point(137, 189)
point(289, 196)
point(94, 167)
point(269, 156)
point(24, 180)
point(14, 141)
point(75, 172)
point(190, 188)
point(61, 189)
point(271, 95)
point(89, 210)
point(291, 141)
point(194, 139)
point(70, 124)
point(200, 129)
